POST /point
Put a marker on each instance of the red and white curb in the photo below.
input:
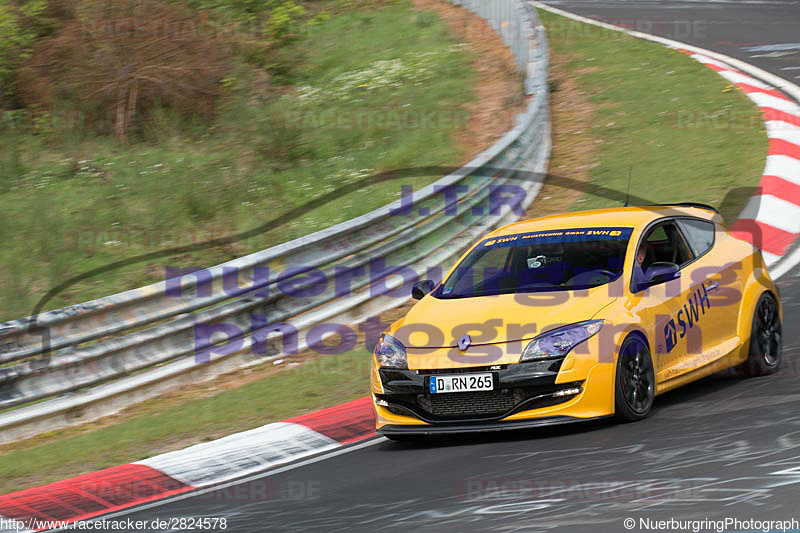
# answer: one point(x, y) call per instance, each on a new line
point(199, 466)
point(771, 218)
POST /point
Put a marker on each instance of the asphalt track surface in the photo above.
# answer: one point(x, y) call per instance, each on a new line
point(722, 448)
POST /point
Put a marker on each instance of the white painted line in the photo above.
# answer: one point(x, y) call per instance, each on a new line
point(780, 47)
point(704, 59)
point(784, 167)
point(253, 477)
point(786, 264)
point(774, 211)
point(778, 129)
point(774, 54)
point(738, 77)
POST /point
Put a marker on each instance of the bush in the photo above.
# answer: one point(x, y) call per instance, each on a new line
point(130, 73)
point(118, 76)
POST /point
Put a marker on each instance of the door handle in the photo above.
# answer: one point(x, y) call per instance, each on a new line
point(714, 286)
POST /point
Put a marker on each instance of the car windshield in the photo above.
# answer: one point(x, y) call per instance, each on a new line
point(556, 260)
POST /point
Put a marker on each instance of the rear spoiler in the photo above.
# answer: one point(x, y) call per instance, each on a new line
point(687, 204)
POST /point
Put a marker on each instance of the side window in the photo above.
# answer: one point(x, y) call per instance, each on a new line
point(700, 234)
point(663, 244)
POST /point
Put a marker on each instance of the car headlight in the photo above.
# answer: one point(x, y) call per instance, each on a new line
point(560, 341)
point(390, 352)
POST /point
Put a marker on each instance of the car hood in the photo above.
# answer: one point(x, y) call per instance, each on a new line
point(440, 323)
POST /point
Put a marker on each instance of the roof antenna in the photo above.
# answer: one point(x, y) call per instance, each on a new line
point(628, 194)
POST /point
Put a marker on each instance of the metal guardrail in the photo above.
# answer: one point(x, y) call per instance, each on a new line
point(518, 25)
point(113, 351)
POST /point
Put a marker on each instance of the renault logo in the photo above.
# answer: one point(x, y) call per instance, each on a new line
point(464, 342)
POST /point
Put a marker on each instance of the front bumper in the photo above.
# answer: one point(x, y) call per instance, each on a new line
point(517, 387)
point(455, 429)
point(523, 392)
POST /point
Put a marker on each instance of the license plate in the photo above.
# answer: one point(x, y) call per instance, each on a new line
point(461, 383)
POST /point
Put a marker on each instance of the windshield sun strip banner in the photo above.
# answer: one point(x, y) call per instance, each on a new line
point(560, 236)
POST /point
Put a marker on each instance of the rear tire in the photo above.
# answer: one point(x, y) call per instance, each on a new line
point(635, 382)
point(766, 339)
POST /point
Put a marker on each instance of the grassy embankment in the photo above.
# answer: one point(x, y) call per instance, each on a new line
point(684, 133)
point(282, 134)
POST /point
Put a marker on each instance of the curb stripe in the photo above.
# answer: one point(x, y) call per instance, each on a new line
point(345, 423)
point(750, 89)
point(780, 188)
point(717, 68)
point(771, 240)
point(784, 167)
point(781, 147)
point(236, 455)
point(781, 104)
point(91, 494)
point(778, 129)
point(776, 212)
point(771, 114)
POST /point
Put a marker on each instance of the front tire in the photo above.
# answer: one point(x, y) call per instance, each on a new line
point(766, 338)
point(635, 383)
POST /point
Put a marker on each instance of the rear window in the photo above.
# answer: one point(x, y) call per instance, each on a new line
point(557, 260)
point(699, 233)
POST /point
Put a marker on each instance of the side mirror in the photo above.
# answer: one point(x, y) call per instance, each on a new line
point(419, 290)
point(659, 273)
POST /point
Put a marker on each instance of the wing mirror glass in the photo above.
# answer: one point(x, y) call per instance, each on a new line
point(420, 289)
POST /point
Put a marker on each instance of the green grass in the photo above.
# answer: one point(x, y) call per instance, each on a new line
point(156, 429)
point(73, 201)
point(643, 93)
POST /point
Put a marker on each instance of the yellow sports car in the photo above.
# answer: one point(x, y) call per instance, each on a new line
point(575, 317)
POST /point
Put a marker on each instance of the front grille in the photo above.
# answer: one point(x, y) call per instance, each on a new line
point(459, 404)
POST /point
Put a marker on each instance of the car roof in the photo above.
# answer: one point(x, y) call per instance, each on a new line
point(633, 217)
